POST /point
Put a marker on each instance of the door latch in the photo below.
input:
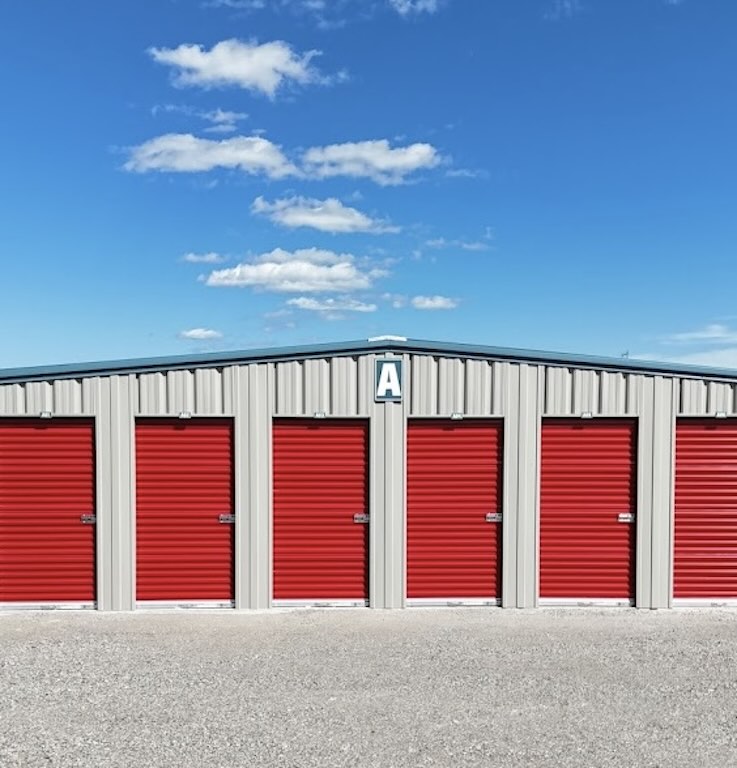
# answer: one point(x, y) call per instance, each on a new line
point(88, 519)
point(493, 517)
point(227, 519)
point(361, 517)
point(626, 517)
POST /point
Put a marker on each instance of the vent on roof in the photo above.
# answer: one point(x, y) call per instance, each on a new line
point(387, 338)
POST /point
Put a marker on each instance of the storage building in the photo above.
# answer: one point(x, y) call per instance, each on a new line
point(383, 473)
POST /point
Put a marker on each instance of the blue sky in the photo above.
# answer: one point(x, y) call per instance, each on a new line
point(192, 175)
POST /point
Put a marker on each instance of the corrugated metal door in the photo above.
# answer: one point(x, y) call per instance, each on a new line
point(185, 513)
point(47, 507)
point(587, 509)
point(705, 552)
point(454, 510)
point(320, 511)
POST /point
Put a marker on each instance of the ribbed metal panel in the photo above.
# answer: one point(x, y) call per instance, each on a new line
point(699, 397)
point(453, 481)
point(705, 551)
point(337, 386)
point(572, 391)
point(320, 483)
point(46, 484)
point(587, 480)
point(184, 482)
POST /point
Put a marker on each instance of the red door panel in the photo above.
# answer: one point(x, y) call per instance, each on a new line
point(184, 482)
point(453, 482)
point(705, 552)
point(47, 482)
point(320, 483)
point(588, 472)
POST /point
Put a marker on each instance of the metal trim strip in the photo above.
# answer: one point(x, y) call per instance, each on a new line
point(48, 606)
point(453, 602)
point(412, 346)
point(188, 604)
point(585, 602)
point(705, 602)
point(320, 603)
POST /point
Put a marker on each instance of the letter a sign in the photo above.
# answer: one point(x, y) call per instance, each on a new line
point(388, 380)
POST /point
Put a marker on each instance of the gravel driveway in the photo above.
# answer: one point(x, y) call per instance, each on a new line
point(449, 687)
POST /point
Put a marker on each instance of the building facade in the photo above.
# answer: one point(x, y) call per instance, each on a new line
point(386, 473)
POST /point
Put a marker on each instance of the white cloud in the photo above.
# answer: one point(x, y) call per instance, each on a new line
point(397, 300)
point(714, 333)
point(201, 334)
point(203, 258)
point(375, 160)
point(265, 68)
point(465, 245)
point(221, 120)
point(325, 215)
point(303, 271)
point(562, 9)
point(342, 304)
point(185, 153)
point(405, 7)
point(433, 302)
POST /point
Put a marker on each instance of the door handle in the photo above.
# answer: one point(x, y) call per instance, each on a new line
point(227, 519)
point(626, 517)
point(493, 517)
point(361, 517)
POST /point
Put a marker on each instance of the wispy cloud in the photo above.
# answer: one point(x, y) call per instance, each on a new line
point(563, 9)
point(325, 215)
point(715, 333)
point(375, 160)
point(203, 258)
point(221, 120)
point(433, 302)
point(265, 68)
point(309, 270)
point(464, 245)
point(407, 7)
point(185, 153)
point(200, 334)
point(342, 304)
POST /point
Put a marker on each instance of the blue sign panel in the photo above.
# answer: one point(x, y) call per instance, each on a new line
point(388, 381)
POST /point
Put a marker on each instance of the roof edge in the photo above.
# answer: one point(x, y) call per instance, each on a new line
point(378, 344)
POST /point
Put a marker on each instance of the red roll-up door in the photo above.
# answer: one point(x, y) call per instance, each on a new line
point(587, 509)
point(705, 552)
point(184, 510)
point(320, 510)
point(47, 485)
point(454, 509)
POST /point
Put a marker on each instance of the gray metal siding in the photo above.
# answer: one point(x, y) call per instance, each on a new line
point(435, 386)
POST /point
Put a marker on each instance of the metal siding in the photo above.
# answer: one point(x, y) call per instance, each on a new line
point(47, 471)
point(529, 404)
point(256, 479)
point(705, 550)
point(586, 391)
point(693, 397)
point(317, 386)
point(424, 386)
point(320, 482)
point(587, 479)
point(184, 481)
point(453, 481)
point(479, 387)
point(39, 397)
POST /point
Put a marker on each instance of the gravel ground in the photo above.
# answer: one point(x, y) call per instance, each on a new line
point(449, 687)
